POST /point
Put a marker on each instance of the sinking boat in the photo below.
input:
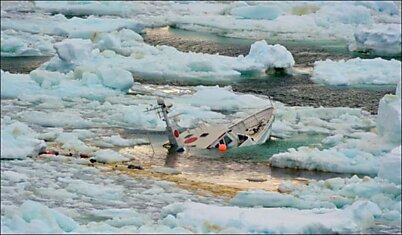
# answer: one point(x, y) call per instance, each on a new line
point(254, 129)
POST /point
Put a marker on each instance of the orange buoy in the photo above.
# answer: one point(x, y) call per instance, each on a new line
point(222, 147)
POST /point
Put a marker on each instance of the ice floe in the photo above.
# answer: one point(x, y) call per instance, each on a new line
point(34, 216)
point(14, 43)
point(90, 85)
point(206, 218)
point(190, 217)
point(73, 50)
point(357, 71)
point(257, 12)
point(164, 62)
point(49, 197)
point(330, 121)
point(73, 28)
point(18, 140)
point(389, 117)
point(147, 11)
point(108, 156)
point(83, 8)
point(391, 166)
point(284, 20)
point(117, 140)
point(380, 39)
point(361, 152)
point(221, 99)
point(56, 119)
point(70, 142)
point(333, 193)
point(254, 20)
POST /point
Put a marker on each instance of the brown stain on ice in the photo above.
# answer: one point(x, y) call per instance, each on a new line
point(227, 184)
point(200, 187)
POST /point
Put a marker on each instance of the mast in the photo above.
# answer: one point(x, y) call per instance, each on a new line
point(169, 129)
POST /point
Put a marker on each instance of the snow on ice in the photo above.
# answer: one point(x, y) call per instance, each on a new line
point(357, 71)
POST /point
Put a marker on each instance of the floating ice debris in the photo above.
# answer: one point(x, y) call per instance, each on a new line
point(221, 99)
point(98, 191)
point(361, 154)
point(34, 216)
point(389, 116)
point(61, 26)
point(123, 42)
point(346, 14)
point(164, 62)
point(22, 6)
point(56, 119)
point(357, 71)
point(380, 39)
point(88, 85)
point(108, 156)
point(272, 56)
point(335, 193)
point(257, 12)
point(270, 20)
point(260, 198)
point(391, 166)
point(18, 141)
point(82, 8)
point(388, 7)
point(331, 160)
point(117, 140)
point(73, 50)
point(116, 78)
point(14, 43)
point(284, 20)
point(202, 218)
point(342, 120)
point(13, 177)
point(70, 141)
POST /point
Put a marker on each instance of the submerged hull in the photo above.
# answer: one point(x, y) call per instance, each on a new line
point(254, 129)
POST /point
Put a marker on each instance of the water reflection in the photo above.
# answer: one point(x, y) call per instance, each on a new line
point(171, 157)
point(305, 174)
point(231, 168)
